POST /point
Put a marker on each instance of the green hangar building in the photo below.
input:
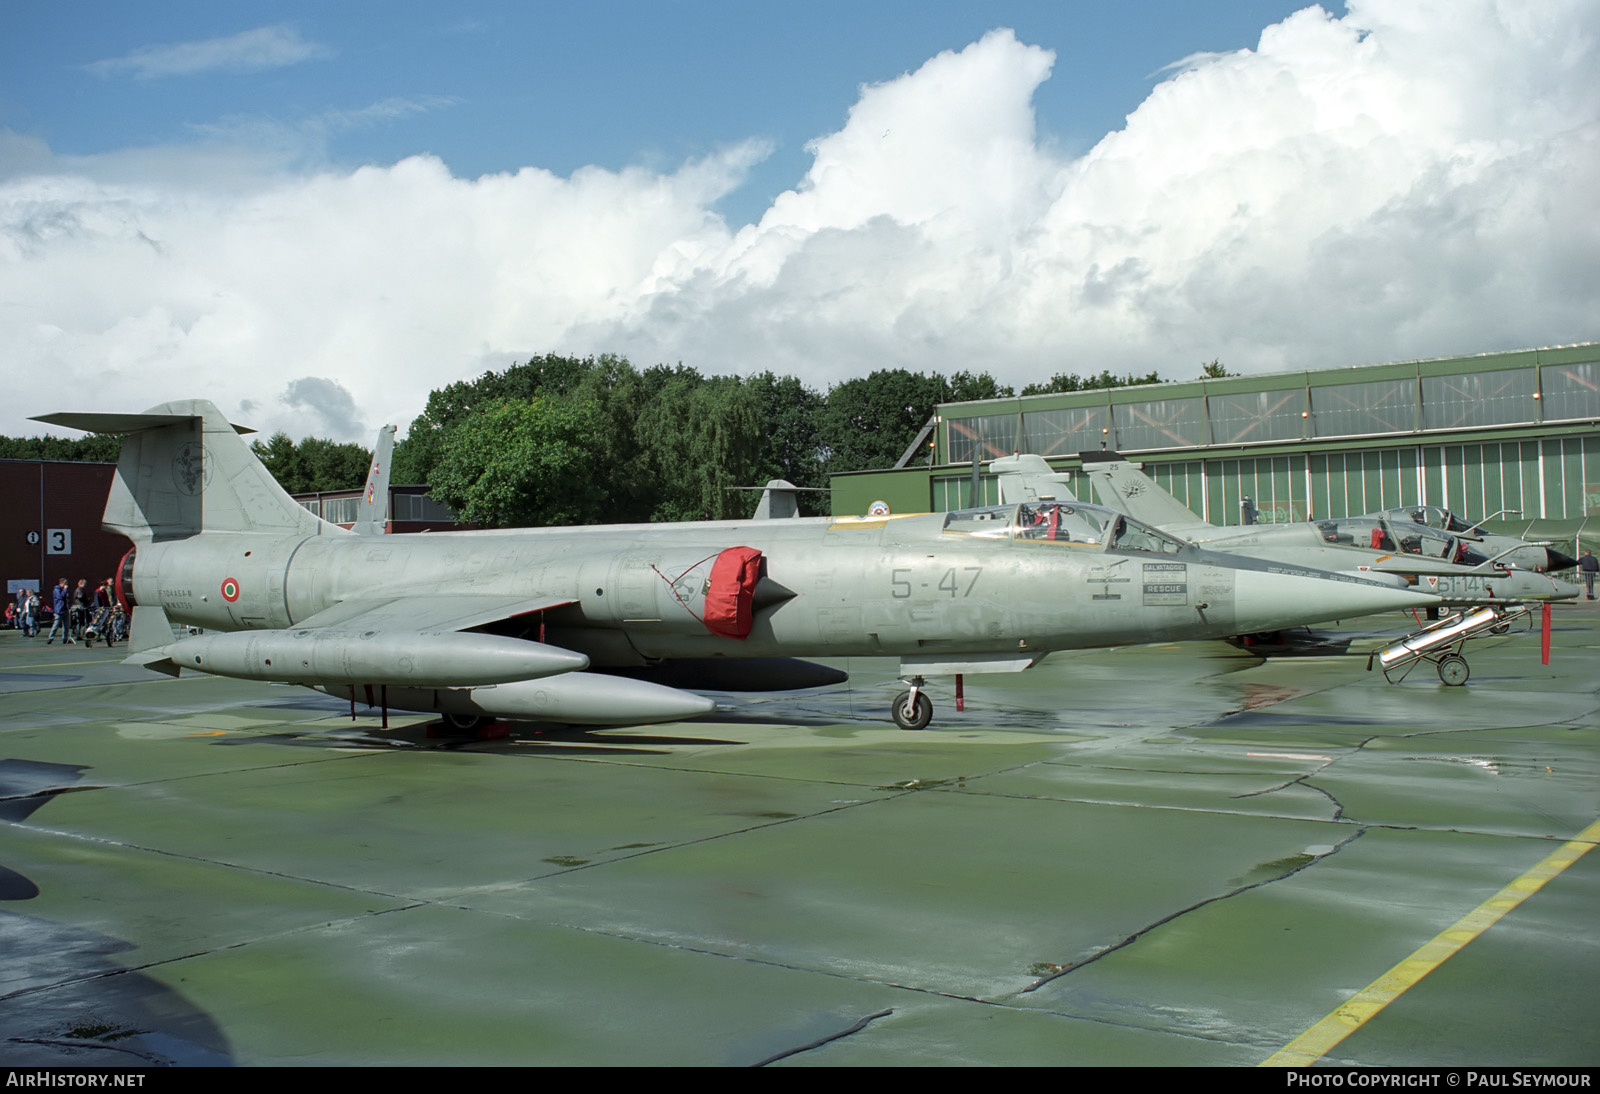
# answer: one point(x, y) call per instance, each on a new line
point(1509, 436)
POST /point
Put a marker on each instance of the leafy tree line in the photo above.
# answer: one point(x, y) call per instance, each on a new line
point(580, 440)
point(567, 440)
point(95, 448)
point(313, 464)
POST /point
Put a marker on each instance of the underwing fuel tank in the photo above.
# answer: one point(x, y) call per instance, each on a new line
point(579, 698)
point(380, 658)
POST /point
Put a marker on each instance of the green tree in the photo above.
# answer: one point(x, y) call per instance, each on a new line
point(868, 422)
point(964, 387)
point(331, 466)
point(314, 464)
point(1071, 381)
point(519, 463)
point(698, 438)
point(1214, 370)
point(94, 448)
point(281, 457)
point(790, 426)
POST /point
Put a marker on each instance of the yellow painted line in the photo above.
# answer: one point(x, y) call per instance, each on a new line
point(1321, 1038)
point(51, 665)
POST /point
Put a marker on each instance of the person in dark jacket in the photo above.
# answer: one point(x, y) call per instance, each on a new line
point(58, 601)
point(79, 609)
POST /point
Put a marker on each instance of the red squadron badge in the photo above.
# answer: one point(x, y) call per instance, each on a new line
point(230, 589)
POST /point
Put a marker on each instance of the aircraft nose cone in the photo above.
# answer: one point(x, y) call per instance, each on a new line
point(1564, 590)
point(1557, 560)
point(1266, 601)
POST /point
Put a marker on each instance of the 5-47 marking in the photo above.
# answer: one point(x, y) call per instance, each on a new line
point(957, 583)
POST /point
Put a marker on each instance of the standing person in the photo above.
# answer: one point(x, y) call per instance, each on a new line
point(30, 613)
point(100, 617)
point(58, 601)
point(1590, 567)
point(80, 608)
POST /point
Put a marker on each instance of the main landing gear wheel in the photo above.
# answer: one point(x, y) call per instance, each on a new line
point(912, 710)
point(465, 724)
point(1453, 670)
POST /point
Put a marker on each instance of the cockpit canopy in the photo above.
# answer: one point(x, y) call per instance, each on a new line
point(1073, 523)
point(1431, 516)
point(1399, 536)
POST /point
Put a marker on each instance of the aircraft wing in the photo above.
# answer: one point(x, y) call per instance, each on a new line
point(417, 614)
point(406, 640)
point(1417, 564)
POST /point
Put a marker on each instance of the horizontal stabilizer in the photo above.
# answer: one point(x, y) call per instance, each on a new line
point(183, 470)
point(153, 659)
point(118, 423)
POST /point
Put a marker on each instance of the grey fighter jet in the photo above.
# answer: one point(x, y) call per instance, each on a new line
point(583, 625)
point(1508, 550)
point(1415, 554)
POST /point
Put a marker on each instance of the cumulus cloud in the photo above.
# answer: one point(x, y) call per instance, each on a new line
point(324, 406)
point(248, 51)
point(1416, 178)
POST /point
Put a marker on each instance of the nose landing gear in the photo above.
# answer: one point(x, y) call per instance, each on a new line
point(913, 709)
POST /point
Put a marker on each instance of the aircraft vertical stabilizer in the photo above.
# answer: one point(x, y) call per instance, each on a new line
point(1026, 477)
point(1123, 486)
point(184, 470)
point(372, 515)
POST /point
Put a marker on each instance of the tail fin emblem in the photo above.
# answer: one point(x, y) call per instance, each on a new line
point(190, 469)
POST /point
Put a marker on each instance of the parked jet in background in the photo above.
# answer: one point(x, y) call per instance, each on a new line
point(1505, 549)
point(478, 624)
point(780, 499)
point(1426, 557)
point(1026, 477)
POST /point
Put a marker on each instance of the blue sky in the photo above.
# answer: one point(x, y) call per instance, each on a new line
point(315, 213)
point(497, 86)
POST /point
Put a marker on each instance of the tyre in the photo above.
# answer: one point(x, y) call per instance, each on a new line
point(912, 715)
point(464, 724)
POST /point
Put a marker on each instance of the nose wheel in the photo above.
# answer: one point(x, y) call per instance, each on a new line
point(912, 709)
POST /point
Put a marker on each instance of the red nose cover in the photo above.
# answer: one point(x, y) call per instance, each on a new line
point(729, 601)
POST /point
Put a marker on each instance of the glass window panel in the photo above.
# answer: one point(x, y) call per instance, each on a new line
point(1502, 397)
point(1376, 406)
point(1074, 429)
point(1164, 423)
point(990, 436)
point(1256, 416)
point(1571, 391)
point(340, 510)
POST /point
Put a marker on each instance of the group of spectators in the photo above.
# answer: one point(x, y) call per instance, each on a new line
point(79, 614)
